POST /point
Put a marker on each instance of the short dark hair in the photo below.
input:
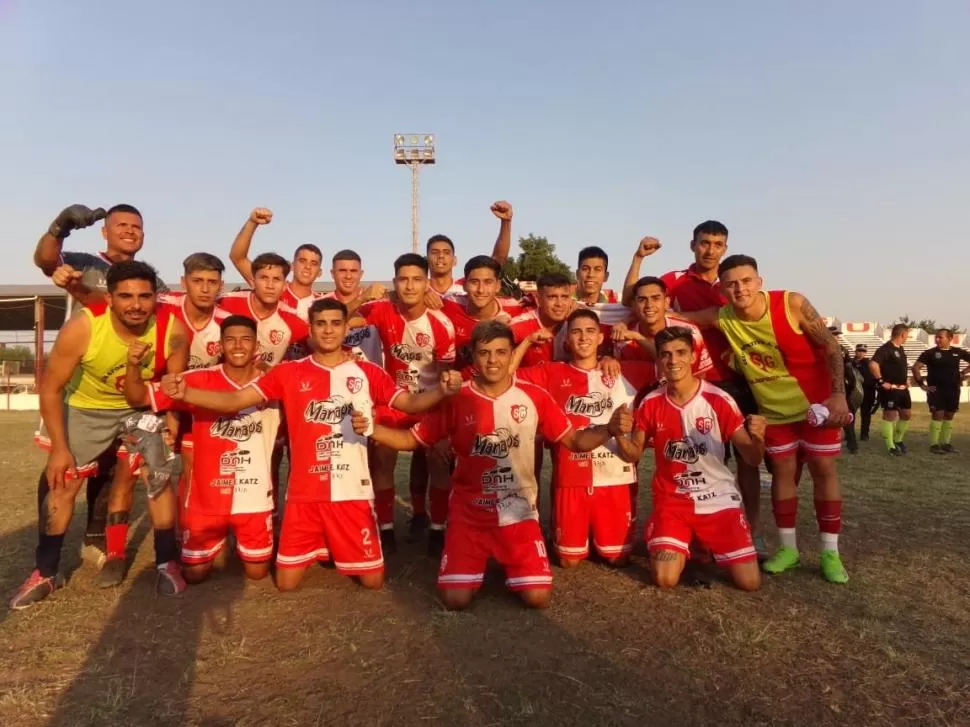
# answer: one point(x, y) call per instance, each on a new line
point(482, 261)
point(736, 261)
point(593, 251)
point(553, 280)
point(322, 304)
point(308, 246)
point(581, 313)
point(649, 280)
point(947, 331)
point(898, 328)
point(488, 331)
point(674, 333)
point(270, 260)
point(439, 238)
point(710, 227)
point(236, 320)
point(130, 270)
point(345, 255)
point(199, 262)
point(129, 208)
point(410, 259)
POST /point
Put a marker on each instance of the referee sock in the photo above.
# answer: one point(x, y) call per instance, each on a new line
point(946, 431)
point(935, 427)
point(901, 427)
point(887, 434)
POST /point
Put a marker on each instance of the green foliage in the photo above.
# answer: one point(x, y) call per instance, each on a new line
point(928, 324)
point(16, 353)
point(537, 257)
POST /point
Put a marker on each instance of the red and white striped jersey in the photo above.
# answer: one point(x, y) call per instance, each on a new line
point(456, 308)
point(282, 334)
point(689, 443)
point(633, 351)
point(589, 397)
point(457, 287)
point(231, 466)
point(301, 304)
point(527, 323)
point(413, 349)
point(204, 346)
point(365, 343)
point(494, 482)
point(328, 460)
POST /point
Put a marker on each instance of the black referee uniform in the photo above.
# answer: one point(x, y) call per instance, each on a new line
point(892, 366)
point(943, 373)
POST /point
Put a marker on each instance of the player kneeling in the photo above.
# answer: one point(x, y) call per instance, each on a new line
point(694, 493)
point(230, 485)
point(493, 423)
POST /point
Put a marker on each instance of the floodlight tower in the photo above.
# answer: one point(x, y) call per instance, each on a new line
point(414, 151)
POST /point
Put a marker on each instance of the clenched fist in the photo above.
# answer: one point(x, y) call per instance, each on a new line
point(756, 425)
point(360, 422)
point(621, 423)
point(261, 216)
point(450, 383)
point(173, 386)
point(648, 246)
point(64, 275)
point(502, 210)
point(75, 217)
point(374, 291)
point(541, 336)
point(138, 352)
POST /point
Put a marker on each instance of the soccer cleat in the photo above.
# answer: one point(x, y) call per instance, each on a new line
point(785, 558)
point(895, 452)
point(93, 549)
point(417, 526)
point(388, 541)
point(949, 449)
point(901, 447)
point(169, 581)
point(112, 573)
point(761, 548)
point(832, 567)
point(436, 543)
point(35, 589)
point(936, 449)
point(863, 437)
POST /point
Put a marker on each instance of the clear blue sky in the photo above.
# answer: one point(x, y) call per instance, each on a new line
point(825, 134)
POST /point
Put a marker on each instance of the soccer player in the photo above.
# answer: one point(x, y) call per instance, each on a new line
point(307, 263)
point(592, 492)
point(492, 424)
point(418, 343)
point(197, 307)
point(78, 432)
point(346, 271)
point(888, 366)
point(441, 253)
point(230, 486)
point(942, 387)
point(698, 288)
point(329, 503)
point(690, 423)
point(592, 272)
point(791, 361)
point(554, 299)
point(282, 332)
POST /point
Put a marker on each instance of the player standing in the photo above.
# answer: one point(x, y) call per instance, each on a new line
point(554, 304)
point(493, 423)
point(690, 423)
point(592, 272)
point(418, 343)
point(82, 426)
point(942, 387)
point(592, 492)
point(888, 366)
point(231, 486)
point(329, 503)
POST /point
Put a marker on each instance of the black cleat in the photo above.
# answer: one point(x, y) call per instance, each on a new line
point(864, 438)
point(112, 573)
point(949, 449)
point(894, 452)
point(417, 526)
point(436, 543)
point(388, 541)
point(936, 449)
point(903, 449)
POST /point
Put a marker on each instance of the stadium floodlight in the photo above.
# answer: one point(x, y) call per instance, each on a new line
point(414, 151)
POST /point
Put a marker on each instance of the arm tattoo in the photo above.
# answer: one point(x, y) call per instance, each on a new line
point(818, 332)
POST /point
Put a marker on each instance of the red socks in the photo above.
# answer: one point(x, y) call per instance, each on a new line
point(828, 513)
point(384, 508)
point(116, 539)
point(439, 506)
point(786, 512)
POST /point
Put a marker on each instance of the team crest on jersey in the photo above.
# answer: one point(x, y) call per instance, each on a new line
point(589, 405)
point(403, 352)
point(495, 444)
point(354, 384)
point(328, 411)
point(608, 381)
point(704, 425)
point(213, 349)
point(519, 412)
point(276, 337)
point(423, 340)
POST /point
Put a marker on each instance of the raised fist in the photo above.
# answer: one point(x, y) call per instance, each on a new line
point(138, 352)
point(502, 210)
point(450, 383)
point(64, 275)
point(173, 386)
point(756, 425)
point(261, 216)
point(75, 217)
point(648, 246)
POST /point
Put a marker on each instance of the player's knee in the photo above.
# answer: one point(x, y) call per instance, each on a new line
point(747, 579)
point(196, 573)
point(455, 599)
point(536, 598)
point(621, 561)
point(569, 562)
point(372, 581)
point(287, 581)
point(256, 571)
point(666, 579)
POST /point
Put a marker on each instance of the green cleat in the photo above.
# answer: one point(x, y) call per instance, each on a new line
point(785, 558)
point(832, 567)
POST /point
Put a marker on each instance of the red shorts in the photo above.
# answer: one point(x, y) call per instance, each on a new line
point(519, 548)
point(394, 418)
point(607, 512)
point(725, 533)
point(785, 439)
point(204, 535)
point(344, 531)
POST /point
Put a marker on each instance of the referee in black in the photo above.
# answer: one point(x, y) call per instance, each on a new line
point(861, 363)
point(888, 366)
point(942, 386)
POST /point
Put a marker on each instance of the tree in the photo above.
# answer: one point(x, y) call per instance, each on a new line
point(927, 324)
point(16, 353)
point(537, 258)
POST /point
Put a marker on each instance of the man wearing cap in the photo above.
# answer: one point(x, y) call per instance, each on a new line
point(861, 363)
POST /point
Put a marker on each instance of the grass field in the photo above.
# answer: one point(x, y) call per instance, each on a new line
point(890, 648)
